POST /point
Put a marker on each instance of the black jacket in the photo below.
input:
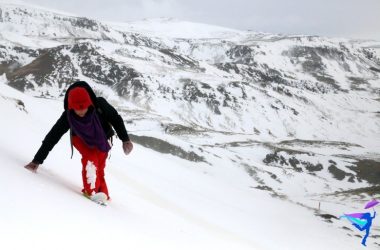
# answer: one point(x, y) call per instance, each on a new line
point(108, 116)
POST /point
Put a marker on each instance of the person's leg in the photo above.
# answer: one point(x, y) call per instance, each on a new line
point(358, 227)
point(90, 164)
point(365, 237)
point(102, 157)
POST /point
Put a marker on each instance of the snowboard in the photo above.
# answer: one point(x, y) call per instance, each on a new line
point(99, 198)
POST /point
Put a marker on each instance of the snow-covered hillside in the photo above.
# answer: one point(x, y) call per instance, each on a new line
point(160, 203)
point(277, 87)
point(242, 130)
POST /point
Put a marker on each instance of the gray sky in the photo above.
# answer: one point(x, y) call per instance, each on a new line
point(338, 18)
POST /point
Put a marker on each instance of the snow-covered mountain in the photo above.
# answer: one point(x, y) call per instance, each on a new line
point(298, 115)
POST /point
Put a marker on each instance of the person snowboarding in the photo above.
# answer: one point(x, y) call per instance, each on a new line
point(91, 121)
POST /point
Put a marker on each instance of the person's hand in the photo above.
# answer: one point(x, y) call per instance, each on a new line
point(127, 147)
point(32, 167)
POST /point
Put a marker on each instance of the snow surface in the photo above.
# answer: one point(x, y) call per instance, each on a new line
point(158, 201)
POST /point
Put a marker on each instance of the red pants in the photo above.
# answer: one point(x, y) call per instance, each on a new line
point(93, 162)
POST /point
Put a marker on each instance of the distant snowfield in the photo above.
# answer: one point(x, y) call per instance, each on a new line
point(158, 201)
point(23, 4)
point(173, 28)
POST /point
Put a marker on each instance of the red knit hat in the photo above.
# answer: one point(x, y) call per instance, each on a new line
point(79, 99)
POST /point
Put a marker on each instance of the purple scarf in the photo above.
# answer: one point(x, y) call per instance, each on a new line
point(89, 129)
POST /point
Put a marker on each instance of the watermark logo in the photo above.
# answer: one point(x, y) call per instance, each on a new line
point(363, 221)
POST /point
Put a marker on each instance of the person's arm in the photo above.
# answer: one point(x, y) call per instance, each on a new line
point(52, 138)
point(374, 215)
point(114, 118)
point(117, 122)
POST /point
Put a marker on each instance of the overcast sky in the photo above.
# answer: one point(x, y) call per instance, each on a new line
point(338, 18)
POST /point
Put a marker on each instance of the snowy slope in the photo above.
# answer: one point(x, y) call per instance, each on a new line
point(160, 203)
